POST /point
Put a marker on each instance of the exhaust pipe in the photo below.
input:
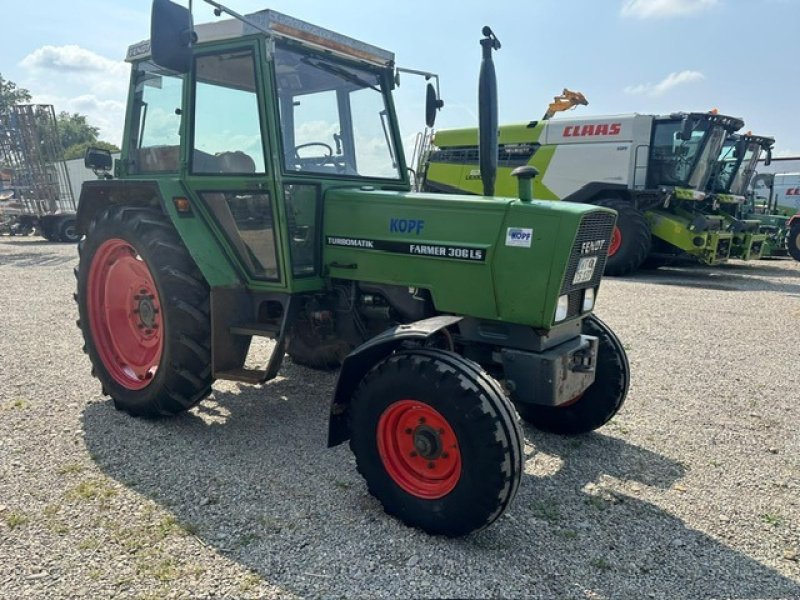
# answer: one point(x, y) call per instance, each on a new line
point(487, 113)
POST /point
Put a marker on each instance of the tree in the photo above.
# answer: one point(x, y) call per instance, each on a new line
point(10, 94)
point(79, 150)
point(73, 129)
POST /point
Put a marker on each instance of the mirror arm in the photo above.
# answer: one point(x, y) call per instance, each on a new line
point(426, 74)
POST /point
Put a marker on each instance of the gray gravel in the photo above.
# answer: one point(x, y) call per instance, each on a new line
point(691, 492)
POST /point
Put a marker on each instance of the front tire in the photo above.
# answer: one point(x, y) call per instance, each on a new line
point(631, 240)
point(437, 441)
point(600, 401)
point(144, 313)
point(793, 242)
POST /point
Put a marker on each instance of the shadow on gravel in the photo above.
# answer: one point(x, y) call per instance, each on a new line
point(254, 480)
point(30, 241)
point(754, 277)
point(35, 259)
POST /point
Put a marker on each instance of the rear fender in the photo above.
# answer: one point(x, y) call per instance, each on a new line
point(359, 362)
point(96, 195)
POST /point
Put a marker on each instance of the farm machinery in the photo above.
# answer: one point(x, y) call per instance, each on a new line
point(38, 194)
point(262, 191)
point(653, 170)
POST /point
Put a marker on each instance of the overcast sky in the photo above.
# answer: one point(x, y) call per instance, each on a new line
point(647, 56)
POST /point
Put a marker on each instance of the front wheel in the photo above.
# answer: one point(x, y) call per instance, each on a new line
point(437, 441)
point(630, 242)
point(793, 242)
point(600, 401)
point(144, 313)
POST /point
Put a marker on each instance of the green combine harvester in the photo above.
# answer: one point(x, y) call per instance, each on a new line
point(753, 237)
point(653, 170)
point(262, 191)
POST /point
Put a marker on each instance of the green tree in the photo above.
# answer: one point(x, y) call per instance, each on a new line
point(10, 94)
point(79, 150)
point(73, 129)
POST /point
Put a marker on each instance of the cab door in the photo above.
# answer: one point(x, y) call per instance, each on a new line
point(227, 166)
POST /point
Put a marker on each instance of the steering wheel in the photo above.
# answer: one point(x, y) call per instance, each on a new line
point(322, 159)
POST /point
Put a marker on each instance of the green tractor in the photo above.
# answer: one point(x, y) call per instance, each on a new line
point(753, 237)
point(772, 210)
point(262, 191)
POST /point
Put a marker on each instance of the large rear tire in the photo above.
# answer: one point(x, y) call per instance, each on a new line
point(437, 441)
point(793, 242)
point(631, 241)
point(600, 401)
point(144, 313)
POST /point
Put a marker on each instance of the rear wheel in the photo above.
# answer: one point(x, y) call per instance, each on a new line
point(793, 242)
point(68, 232)
point(437, 441)
point(600, 401)
point(631, 240)
point(144, 313)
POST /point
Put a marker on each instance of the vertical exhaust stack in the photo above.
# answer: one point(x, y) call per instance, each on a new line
point(487, 113)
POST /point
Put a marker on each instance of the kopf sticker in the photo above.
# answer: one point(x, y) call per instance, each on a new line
point(520, 237)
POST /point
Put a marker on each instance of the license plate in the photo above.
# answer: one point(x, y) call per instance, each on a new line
point(585, 270)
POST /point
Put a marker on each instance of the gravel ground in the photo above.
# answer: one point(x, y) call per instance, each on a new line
point(690, 492)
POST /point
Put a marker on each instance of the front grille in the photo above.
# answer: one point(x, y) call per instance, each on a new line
point(595, 226)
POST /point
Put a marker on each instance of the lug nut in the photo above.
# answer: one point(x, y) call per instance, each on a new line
point(413, 453)
point(409, 431)
point(431, 465)
point(445, 455)
point(441, 430)
point(422, 420)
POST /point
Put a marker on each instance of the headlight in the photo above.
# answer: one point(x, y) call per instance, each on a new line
point(588, 300)
point(561, 308)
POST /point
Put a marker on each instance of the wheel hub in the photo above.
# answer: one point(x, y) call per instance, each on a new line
point(147, 311)
point(419, 449)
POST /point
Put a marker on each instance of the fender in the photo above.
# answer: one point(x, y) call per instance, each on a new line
point(597, 188)
point(97, 194)
point(358, 363)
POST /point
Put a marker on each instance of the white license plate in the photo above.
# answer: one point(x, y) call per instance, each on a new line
point(585, 270)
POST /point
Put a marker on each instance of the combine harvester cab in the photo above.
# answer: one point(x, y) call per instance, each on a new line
point(727, 188)
point(653, 170)
point(262, 191)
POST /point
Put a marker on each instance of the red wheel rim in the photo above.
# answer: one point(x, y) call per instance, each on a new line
point(419, 449)
point(616, 241)
point(125, 314)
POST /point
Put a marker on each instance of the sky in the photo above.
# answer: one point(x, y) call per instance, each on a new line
point(646, 56)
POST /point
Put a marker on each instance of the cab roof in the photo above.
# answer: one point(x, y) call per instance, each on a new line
point(280, 26)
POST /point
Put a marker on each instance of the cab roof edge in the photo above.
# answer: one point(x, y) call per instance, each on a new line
point(281, 26)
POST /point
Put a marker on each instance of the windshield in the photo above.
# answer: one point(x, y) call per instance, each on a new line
point(334, 118)
point(727, 167)
point(677, 162)
point(746, 169)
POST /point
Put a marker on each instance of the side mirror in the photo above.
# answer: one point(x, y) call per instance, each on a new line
point(171, 36)
point(432, 104)
point(687, 126)
point(768, 158)
point(98, 160)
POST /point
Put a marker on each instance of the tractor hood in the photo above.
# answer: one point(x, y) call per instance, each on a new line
point(489, 257)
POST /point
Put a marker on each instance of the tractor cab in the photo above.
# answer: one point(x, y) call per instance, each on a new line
point(684, 148)
point(737, 162)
